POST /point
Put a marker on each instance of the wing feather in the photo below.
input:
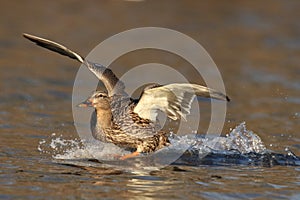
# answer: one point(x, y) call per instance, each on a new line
point(174, 99)
point(109, 79)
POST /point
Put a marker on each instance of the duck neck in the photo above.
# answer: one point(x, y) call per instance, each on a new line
point(104, 118)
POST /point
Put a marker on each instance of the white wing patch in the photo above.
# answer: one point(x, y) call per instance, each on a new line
point(174, 99)
point(150, 103)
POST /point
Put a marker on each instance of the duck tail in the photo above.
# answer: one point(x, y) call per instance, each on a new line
point(53, 46)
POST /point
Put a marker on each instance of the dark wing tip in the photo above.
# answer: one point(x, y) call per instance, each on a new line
point(26, 35)
point(228, 99)
point(30, 37)
point(53, 46)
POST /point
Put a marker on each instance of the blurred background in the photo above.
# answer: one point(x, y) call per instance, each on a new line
point(255, 44)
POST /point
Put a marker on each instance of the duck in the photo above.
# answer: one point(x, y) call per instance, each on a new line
point(132, 123)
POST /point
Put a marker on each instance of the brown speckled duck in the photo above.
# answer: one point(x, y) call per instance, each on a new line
point(129, 123)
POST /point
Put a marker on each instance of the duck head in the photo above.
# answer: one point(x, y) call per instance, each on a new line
point(98, 100)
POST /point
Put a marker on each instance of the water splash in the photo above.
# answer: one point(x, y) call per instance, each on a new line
point(240, 146)
point(61, 148)
point(239, 140)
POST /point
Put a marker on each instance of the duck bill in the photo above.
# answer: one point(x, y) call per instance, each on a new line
point(86, 103)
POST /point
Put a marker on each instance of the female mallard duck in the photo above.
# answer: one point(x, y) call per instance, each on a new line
point(132, 123)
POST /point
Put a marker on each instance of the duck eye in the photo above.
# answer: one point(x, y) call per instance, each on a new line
point(100, 95)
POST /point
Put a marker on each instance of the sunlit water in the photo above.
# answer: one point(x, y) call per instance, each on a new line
point(256, 48)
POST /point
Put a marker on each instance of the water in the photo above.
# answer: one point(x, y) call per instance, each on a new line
point(240, 147)
point(255, 46)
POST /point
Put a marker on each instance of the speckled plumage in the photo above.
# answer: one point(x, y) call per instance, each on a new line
point(124, 128)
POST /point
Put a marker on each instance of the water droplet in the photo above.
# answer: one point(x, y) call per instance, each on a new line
point(286, 149)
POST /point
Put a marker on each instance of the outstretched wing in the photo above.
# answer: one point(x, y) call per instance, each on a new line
point(174, 99)
point(109, 79)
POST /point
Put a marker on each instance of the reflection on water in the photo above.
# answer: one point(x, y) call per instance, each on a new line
point(256, 47)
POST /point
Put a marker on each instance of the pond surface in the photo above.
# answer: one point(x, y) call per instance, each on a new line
point(256, 47)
